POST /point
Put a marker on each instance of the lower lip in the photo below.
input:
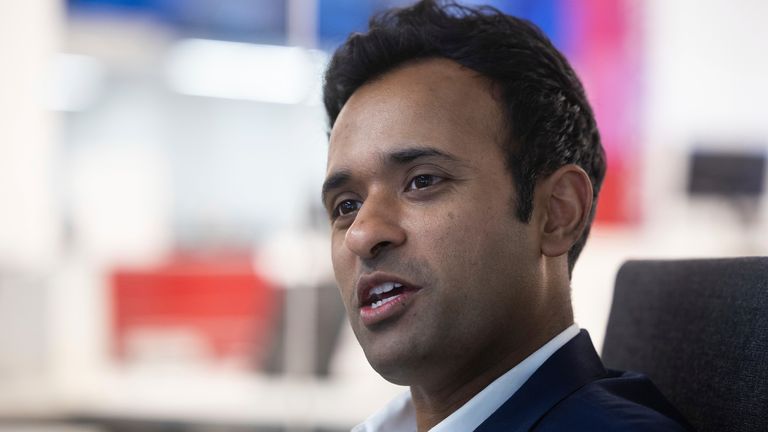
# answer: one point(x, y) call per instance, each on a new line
point(387, 311)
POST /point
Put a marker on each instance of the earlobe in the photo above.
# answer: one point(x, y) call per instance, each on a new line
point(566, 198)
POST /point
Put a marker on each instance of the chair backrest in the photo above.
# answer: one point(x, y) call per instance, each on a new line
point(699, 330)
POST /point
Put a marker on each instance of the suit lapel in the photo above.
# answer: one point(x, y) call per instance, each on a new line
point(567, 370)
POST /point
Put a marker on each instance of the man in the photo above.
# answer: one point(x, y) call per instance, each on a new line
point(463, 172)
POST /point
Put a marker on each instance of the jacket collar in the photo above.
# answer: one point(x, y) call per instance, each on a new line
point(567, 370)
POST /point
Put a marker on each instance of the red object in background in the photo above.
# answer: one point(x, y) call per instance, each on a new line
point(604, 45)
point(222, 302)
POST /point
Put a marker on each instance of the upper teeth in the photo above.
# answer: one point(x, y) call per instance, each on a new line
point(385, 288)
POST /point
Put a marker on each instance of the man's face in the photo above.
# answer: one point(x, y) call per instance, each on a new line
point(436, 272)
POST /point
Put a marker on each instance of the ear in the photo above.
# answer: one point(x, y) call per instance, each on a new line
point(565, 198)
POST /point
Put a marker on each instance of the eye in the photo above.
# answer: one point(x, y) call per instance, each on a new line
point(346, 207)
point(422, 181)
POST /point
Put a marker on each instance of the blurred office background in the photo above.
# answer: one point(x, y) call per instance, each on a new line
point(163, 255)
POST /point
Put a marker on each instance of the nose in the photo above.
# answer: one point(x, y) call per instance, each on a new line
point(376, 228)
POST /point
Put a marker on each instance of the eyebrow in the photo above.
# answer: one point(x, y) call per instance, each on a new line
point(410, 154)
point(399, 157)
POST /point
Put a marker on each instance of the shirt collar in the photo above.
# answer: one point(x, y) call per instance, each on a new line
point(399, 414)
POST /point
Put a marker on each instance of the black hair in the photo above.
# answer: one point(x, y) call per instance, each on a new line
point(548, 118)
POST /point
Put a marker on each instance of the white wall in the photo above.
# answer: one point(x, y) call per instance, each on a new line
point(28, 219)
point(706, 69)
point(28, 213)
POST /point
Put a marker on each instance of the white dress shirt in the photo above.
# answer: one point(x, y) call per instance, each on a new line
point(399, 414)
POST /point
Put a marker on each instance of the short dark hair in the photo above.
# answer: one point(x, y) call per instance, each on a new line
point(548, 118)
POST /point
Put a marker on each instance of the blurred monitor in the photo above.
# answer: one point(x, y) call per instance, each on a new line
point(727, 173)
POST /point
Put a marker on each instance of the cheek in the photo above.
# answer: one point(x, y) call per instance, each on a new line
point(477, 245)
point(456, 246)
point(343, 264)
point(464, 232)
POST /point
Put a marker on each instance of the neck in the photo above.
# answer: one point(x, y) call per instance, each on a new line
point(434, 403)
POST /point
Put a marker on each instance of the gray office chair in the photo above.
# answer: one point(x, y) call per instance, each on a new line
point(699, 330)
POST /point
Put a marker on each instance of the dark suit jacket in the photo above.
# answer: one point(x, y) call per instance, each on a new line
point(572, 391)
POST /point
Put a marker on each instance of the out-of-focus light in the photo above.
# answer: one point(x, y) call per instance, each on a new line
point(76, 82)
point(234, 70)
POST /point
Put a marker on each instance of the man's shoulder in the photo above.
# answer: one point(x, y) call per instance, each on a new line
point(620, 401)
point(573, 391)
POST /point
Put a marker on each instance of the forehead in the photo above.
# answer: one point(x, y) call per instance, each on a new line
point(434, 103)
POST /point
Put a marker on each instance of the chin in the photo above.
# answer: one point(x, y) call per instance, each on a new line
point(396, 367)
point(394, 374)
point(398, 356)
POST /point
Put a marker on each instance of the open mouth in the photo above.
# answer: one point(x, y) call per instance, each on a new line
point(383, 293)
point(383, 298)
